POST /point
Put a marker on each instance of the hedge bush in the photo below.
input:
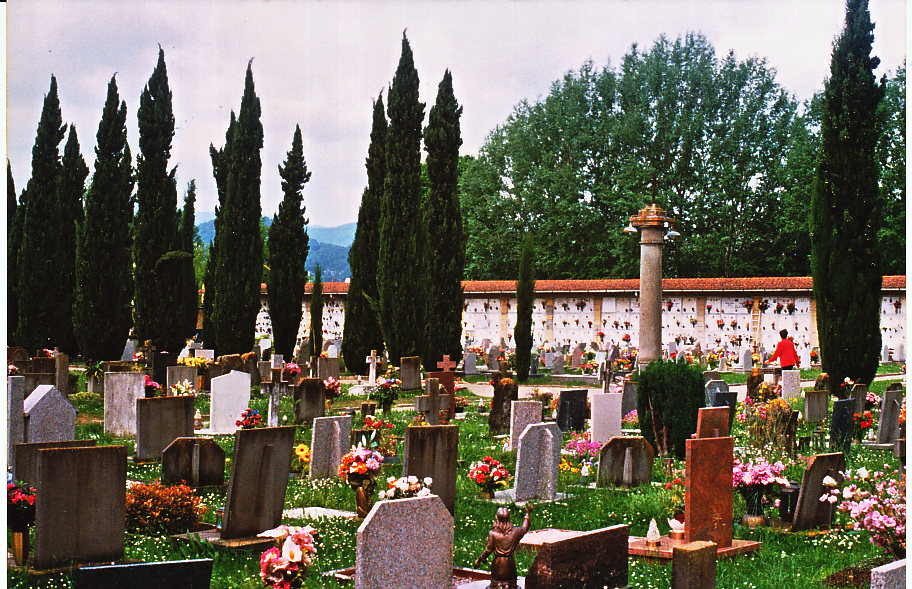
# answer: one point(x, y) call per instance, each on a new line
point(155, 507)
point(669, 395)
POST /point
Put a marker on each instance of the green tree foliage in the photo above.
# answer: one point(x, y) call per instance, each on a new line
point(13, 231)
point(37, 248)
point(288, 251)
point(239, 263)
point(401, 258)
point(669, 396)
point(362, 325)
point(188, 293)
point(155, 227)
point(708, 136)
point(891, 155)
point(445, 246)
point(69, 213)
point(525, 298)
point(845, 207)
point(104, 272)
point(316, 314)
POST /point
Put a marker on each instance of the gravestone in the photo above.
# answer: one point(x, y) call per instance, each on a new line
point(900, 355)
point(128, 351)
point(160, 366)
point(332, 351)
point(328, 367)
point(885, 354)
point(533, 365)
point(629, 402)
point(48, 416)
point(409, 373)
point(557, 365)
point(711, 375)
point(810, 512)
point(188, 574)
point(597, 558)
point(613, 355)
point(329, 441)
point(791, 384)
point(87, 485)
point(264, 369)
point(723, 362)
point(606, 416)
point(841, 425)
point(121, 390)
point(547, 358)
point(888, 426)
point(625, 462)
point(180, 373)
point(491, 362)
point(62, 373)
point(711, 388)
point(576, 357)
point(522, 414)
point(430, 451)
point(672, 349)
point(470, 365)
point(708, 490)
point(571, 410)
point(730, 400)
point(712, 422)
point(505, 391)
point(859, 392)
point(889, 576)
point(373, 361)
point(429, 404)
point(15, 418)
point(447, 382)
point(405, 539)
point(537, 462)
point(159, 421)
point(309, 400)
point(230, 397)
point(278, 361)
point(746, 360)
point(198, 462)
point(693, 566)
point(815, 406)
point(804, 358)
point(368, 408)
point(258, 480)
point(26, 469)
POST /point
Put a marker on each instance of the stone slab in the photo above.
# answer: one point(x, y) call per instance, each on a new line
point(48, 416)
point(632, 455)
point(889, 576)
point(665, 550)
point(693, 566)
point(522, 414)
point(188, 574)
point(431, 451)
point(159, 421)
point(198, 462)
point(537, 462)
point(329, 441)
point(229, 398)
point(810, 512)
point(708, 499)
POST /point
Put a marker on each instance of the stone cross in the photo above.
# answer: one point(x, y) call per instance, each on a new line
point(433, 389)
point(446, 364)
point(373, 360)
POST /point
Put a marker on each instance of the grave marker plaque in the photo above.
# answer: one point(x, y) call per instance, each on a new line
point(199, 462)
point(430, 451)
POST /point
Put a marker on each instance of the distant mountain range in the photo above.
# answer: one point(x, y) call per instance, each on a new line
point(328, 245)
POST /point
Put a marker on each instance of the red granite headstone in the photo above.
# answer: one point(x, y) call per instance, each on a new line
point(712, 422)
point(581, 559)
point(708, 490)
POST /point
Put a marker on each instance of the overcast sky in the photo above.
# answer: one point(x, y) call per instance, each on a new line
point(321, 63)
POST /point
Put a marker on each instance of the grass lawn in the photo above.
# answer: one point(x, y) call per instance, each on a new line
point(786, 560)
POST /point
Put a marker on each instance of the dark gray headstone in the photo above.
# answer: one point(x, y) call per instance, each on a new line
point(327, 367)
point(188, 574)
point(27, 457)
point(492, 363)
point(470, 366)
point(410, 373)
point(48, 416)
point(810, 511)
point(631, 454)
point(159, 421)
point(180, 373)
point(329, 441)
point(198, 462)
point(841, 425)
point(731, 400)
point(859, 392)
point(309, 400)
point(571, 410)
point(80, 506)
point(888, 426)
point(815, 406)
point(629, 402)
point(430, 451)
point(259, 478)
point(15, 432)
point(711, 388)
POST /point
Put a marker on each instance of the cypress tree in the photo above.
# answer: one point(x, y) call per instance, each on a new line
point(37, 253)
point(155, 226)
point(219, 159)
point(525, 295)
point(188, 310)
point(13, 220)
point(400, 260)
point(239, 266)
point(845, 208)
point(445, 250)
point(70, 190)
point(104, 268)
point(316, 314)
point(362, 325)
point(288, 246)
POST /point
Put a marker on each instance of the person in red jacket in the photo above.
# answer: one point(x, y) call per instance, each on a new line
point(785, 352)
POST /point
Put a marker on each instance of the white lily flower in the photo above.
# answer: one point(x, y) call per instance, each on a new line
point(829, 481)
point(291, 551)
point(862, 473)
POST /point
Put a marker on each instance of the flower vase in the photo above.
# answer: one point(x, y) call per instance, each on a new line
point(484, 494)
point(363, 501)
point(19, 544)
point(754, 516)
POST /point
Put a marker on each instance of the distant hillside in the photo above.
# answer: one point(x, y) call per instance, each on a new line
point(328, 246)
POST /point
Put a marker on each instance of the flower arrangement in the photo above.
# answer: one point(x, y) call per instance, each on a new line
point(626, 338)
point(332, 388)
point(182, 389)
point(748, 304)
point(874, 502)
point(673, 497)
point(815, 356)
point(623, 363)
point(489, 474)
point(582, 446)
point(360, 466)
point(285, 565)
point(151, 386)
point(631, 420)
point(250, 418)
point(765, 422)
point(154, 507)
point(290, 370)
point(779, 307)
point(669, 305)
point(720, 323)
point(712, 360)
point(12, 370)
point(897, 305)
point(138, 357)
point(872, 401)
point(197, 362)
point(387, 391)
point(764, 305)
point(862, 422)
point(405, 487)
point(845, 388)
point(693, 321)
point(300, 462)
point(20, 506)
point(757, 474)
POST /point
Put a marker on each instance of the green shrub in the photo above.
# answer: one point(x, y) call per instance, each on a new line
point(155, 507)
point(669, 394)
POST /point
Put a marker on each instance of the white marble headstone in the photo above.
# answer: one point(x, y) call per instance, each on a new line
point(121, 389)
point(606, 416)
point(230, 397)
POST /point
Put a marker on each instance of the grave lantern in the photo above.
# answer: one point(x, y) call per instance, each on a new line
point(653, 226)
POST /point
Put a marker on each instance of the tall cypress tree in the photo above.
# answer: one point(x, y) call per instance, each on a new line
point(288, 246)
point(155, 226)
point(445, 250)
point(188, 310)
point(401, 258)
point(316, 314)
point(70, 190)
point(219, 159)
point(362, 325)
point(13, 219)
point(104, 268)
point(239, 266)
point(525, 295)
point(37, 248)
point(845, 208)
